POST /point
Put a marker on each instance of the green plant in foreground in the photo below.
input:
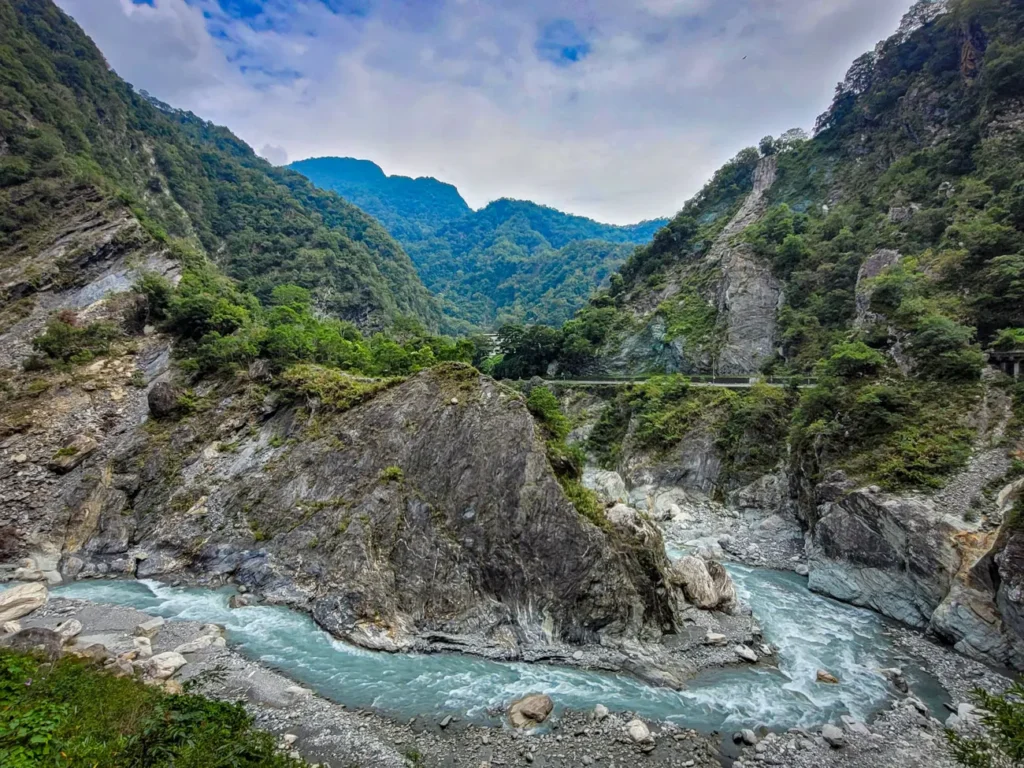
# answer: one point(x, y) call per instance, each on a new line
point(1003, 718)
point(72, 714)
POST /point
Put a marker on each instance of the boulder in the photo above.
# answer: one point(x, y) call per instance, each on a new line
point(723, 586)
point(691, 575)
point(824, 676)
point(745, 653)
point(35, 640)
point(240, 601)
point(143, 647)
point(72, 453)
point(163, 400)
point(21, 600)
point(639, 732)
point(197, 644)
point(530, 710)
point(97, 653)
point(600, 712)
point(715, 638)
point(833, 735)
point(853, 725)
point(748, 737)
point(149, 628)
point(163, 665)
point(10, 627)
point(69, 629)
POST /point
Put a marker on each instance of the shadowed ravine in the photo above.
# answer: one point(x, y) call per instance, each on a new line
point(810, 631)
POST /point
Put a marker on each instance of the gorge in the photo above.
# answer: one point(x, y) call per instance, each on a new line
point(225, 401)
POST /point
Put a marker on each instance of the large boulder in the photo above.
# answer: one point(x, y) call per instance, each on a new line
point(21, 600)
point(35, 640)
point(724, 586)
point(691, 575)
point(530, 710)
point(163, 399)
point(163, 665)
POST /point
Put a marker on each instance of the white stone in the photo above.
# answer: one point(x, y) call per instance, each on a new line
point(163, 665)
point(833, 735)
point(639, 732)
point(149, 628)
point(143, 646)
point(745, 653)
point(194, 646)
point(600, 712)
point(21, 600)
point(69, 629)
point(715, 638)
point(289, 738)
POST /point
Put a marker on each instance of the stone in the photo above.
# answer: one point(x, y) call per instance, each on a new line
point(10, 627)
point(21, 601)
point(163, 665)
point(122, 668)
point(35, 640)
point(149, 628)
point(801, 570)
point(724, 588)
point(162, 399)
point(833, 735)
point(240, 601)
point(298, 692)
point(198, 644)
point(745, 653)
point(600, 712)
point(747, 736)
point(690, 574)
point(69, 629)
point(530, 710)
point(639, 732)
point(577, 655)
point(853, 725)
point(97, 653)
point(143, 647)
point(289, 738)
point(445, 721)
point(72, 453)
point(824, 676)
point(715, 638)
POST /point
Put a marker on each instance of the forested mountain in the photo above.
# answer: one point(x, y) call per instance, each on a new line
point(73, 136)
point(408, 208)
point(512, 259)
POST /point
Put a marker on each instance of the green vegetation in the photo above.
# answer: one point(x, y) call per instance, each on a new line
point(65, 341)
point(1003, 718)
point(70, 714)
point(512, 261)
point(74, 133)
point(392, 474)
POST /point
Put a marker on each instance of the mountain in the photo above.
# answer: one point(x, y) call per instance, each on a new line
point(512, 259)
point(76, 140)
point(882, 257)
point(408, 208)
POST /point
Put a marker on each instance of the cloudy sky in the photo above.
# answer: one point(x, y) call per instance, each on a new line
point(614, 109)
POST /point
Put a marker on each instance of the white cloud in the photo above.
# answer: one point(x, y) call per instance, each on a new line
point(455, 88)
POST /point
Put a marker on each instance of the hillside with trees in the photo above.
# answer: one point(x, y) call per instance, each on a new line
point(511, 260)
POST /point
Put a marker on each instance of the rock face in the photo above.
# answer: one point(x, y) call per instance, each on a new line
point(872, 267)
point(408, 521)
point(20, 601)
point(893, 554)
point(530, 710)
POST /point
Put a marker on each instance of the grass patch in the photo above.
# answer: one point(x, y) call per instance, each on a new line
point(333, 389)
point(70, 714)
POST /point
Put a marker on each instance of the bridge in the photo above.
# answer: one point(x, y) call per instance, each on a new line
point(697, 380)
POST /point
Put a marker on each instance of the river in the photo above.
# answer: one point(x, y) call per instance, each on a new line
point(810, 631)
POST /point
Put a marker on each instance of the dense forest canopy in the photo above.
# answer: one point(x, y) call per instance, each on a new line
point(511, 260)
point(72, 131)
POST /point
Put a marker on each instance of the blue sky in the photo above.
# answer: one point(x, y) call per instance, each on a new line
point(615, 109)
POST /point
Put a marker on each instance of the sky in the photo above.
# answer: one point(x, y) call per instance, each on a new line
point(615, 109)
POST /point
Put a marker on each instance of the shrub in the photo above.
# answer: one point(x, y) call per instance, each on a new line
point(392, 474)
point(69, 343)
point(852, 360)
point(1003, 744)
point(544, 406)
point(158, 292)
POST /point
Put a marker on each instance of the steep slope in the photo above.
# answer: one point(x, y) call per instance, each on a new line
point(71, 130)
point(408, 208)
point(881, 256)
point(511, 260)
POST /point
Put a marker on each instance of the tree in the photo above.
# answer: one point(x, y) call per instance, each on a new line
point(1002, 746)
point(767, 146)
